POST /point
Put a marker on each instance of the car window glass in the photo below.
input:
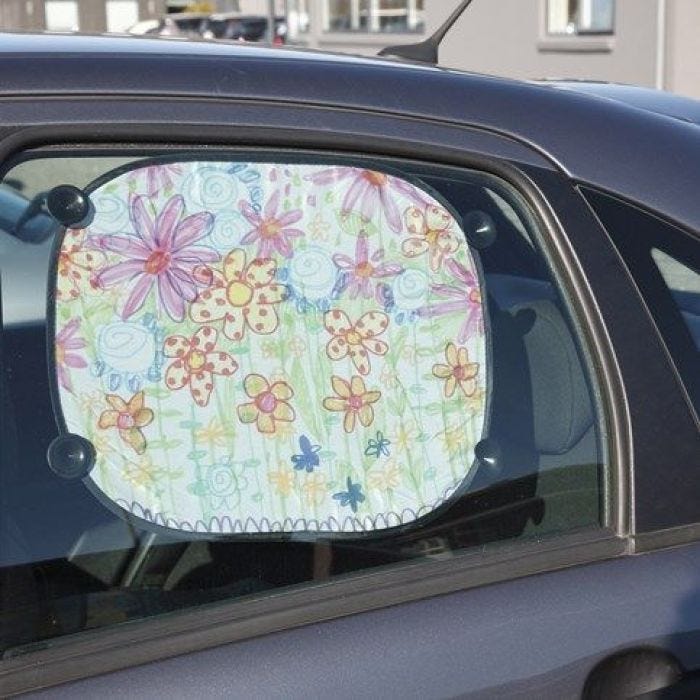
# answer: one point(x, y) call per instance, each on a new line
point(664, 261)
point(684, 284)
point(415, 387)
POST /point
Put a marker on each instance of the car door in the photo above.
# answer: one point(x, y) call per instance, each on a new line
point(519, 584)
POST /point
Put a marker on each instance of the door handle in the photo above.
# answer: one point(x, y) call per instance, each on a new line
point(644, 672)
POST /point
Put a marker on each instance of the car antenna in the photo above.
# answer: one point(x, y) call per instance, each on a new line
point(427, 51)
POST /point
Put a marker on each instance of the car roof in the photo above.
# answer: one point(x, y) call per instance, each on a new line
point(651, 100)
point(637, 153)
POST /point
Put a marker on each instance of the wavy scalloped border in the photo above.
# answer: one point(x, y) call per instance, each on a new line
point(226, 525)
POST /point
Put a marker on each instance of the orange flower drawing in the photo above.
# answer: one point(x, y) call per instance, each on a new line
point(357, 339)
point(269, 405)
point(197, 361)
point(354, 400)
point(431, 233)
point(75, 264)
point(244, 295)
point(457, 372)
point(128, 417)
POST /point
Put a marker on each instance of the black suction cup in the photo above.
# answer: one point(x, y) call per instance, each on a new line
point(480, 229)
point(71, 456)
point(69, 205)
point(488, 454)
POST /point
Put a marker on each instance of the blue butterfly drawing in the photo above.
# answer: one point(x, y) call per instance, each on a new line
point(352, 497)
point(308, 459)
point(378, 447)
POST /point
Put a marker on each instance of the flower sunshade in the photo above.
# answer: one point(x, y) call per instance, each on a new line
point(267, 347)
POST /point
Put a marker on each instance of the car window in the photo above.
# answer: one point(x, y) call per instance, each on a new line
point(684, 284)
point(665, 263)
point(227, 374)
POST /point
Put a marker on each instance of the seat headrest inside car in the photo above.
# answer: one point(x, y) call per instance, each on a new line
point(562, 408)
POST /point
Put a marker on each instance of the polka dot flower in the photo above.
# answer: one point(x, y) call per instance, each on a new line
point(196, 362)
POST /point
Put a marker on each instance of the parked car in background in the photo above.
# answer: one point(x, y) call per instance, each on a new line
point(224, 26)
point(187, 24)
point(237, 27)
point(146, 26)
point(328, 376)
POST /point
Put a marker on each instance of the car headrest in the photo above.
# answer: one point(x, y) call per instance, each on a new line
point(562, 409)
point(248, 347)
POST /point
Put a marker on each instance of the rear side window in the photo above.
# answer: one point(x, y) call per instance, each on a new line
point(665, 263)
point(229, 374)
point(684, 284)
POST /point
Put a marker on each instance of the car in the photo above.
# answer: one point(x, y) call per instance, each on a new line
point(327, 375)
point(146, 26)
point(179, 24)
point(189, 24)
point(238, 27)
point(231, 26)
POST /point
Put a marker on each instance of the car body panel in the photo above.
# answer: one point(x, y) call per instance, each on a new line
point(544, 633)
point(656, 101)
point(604, 154)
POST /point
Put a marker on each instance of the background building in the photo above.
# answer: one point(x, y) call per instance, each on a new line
point(77, 15)
point(643, 42)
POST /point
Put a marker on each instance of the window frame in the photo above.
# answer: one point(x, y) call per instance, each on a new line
point(662, 515)
point(90, 653)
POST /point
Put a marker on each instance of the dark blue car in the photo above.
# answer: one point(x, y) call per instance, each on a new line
point(328, 376)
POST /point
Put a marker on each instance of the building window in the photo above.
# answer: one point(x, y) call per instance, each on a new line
point(580, 16)
point(373, 16)
point(298, 18)
point(62, 16)
point(121, 14)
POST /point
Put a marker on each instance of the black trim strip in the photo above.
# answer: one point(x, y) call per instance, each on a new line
point(512, 138)
point(671, 537)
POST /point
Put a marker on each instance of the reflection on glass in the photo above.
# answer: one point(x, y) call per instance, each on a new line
point(684, 283)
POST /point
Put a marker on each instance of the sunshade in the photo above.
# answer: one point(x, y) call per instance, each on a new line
point(257, 347)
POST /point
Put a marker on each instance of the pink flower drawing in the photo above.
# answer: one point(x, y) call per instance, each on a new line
point(161, 254)
point(67, 341)
point(366, 267)
point(370, 192)
point(271, 230)
point(462, 296)
point(158, 177)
